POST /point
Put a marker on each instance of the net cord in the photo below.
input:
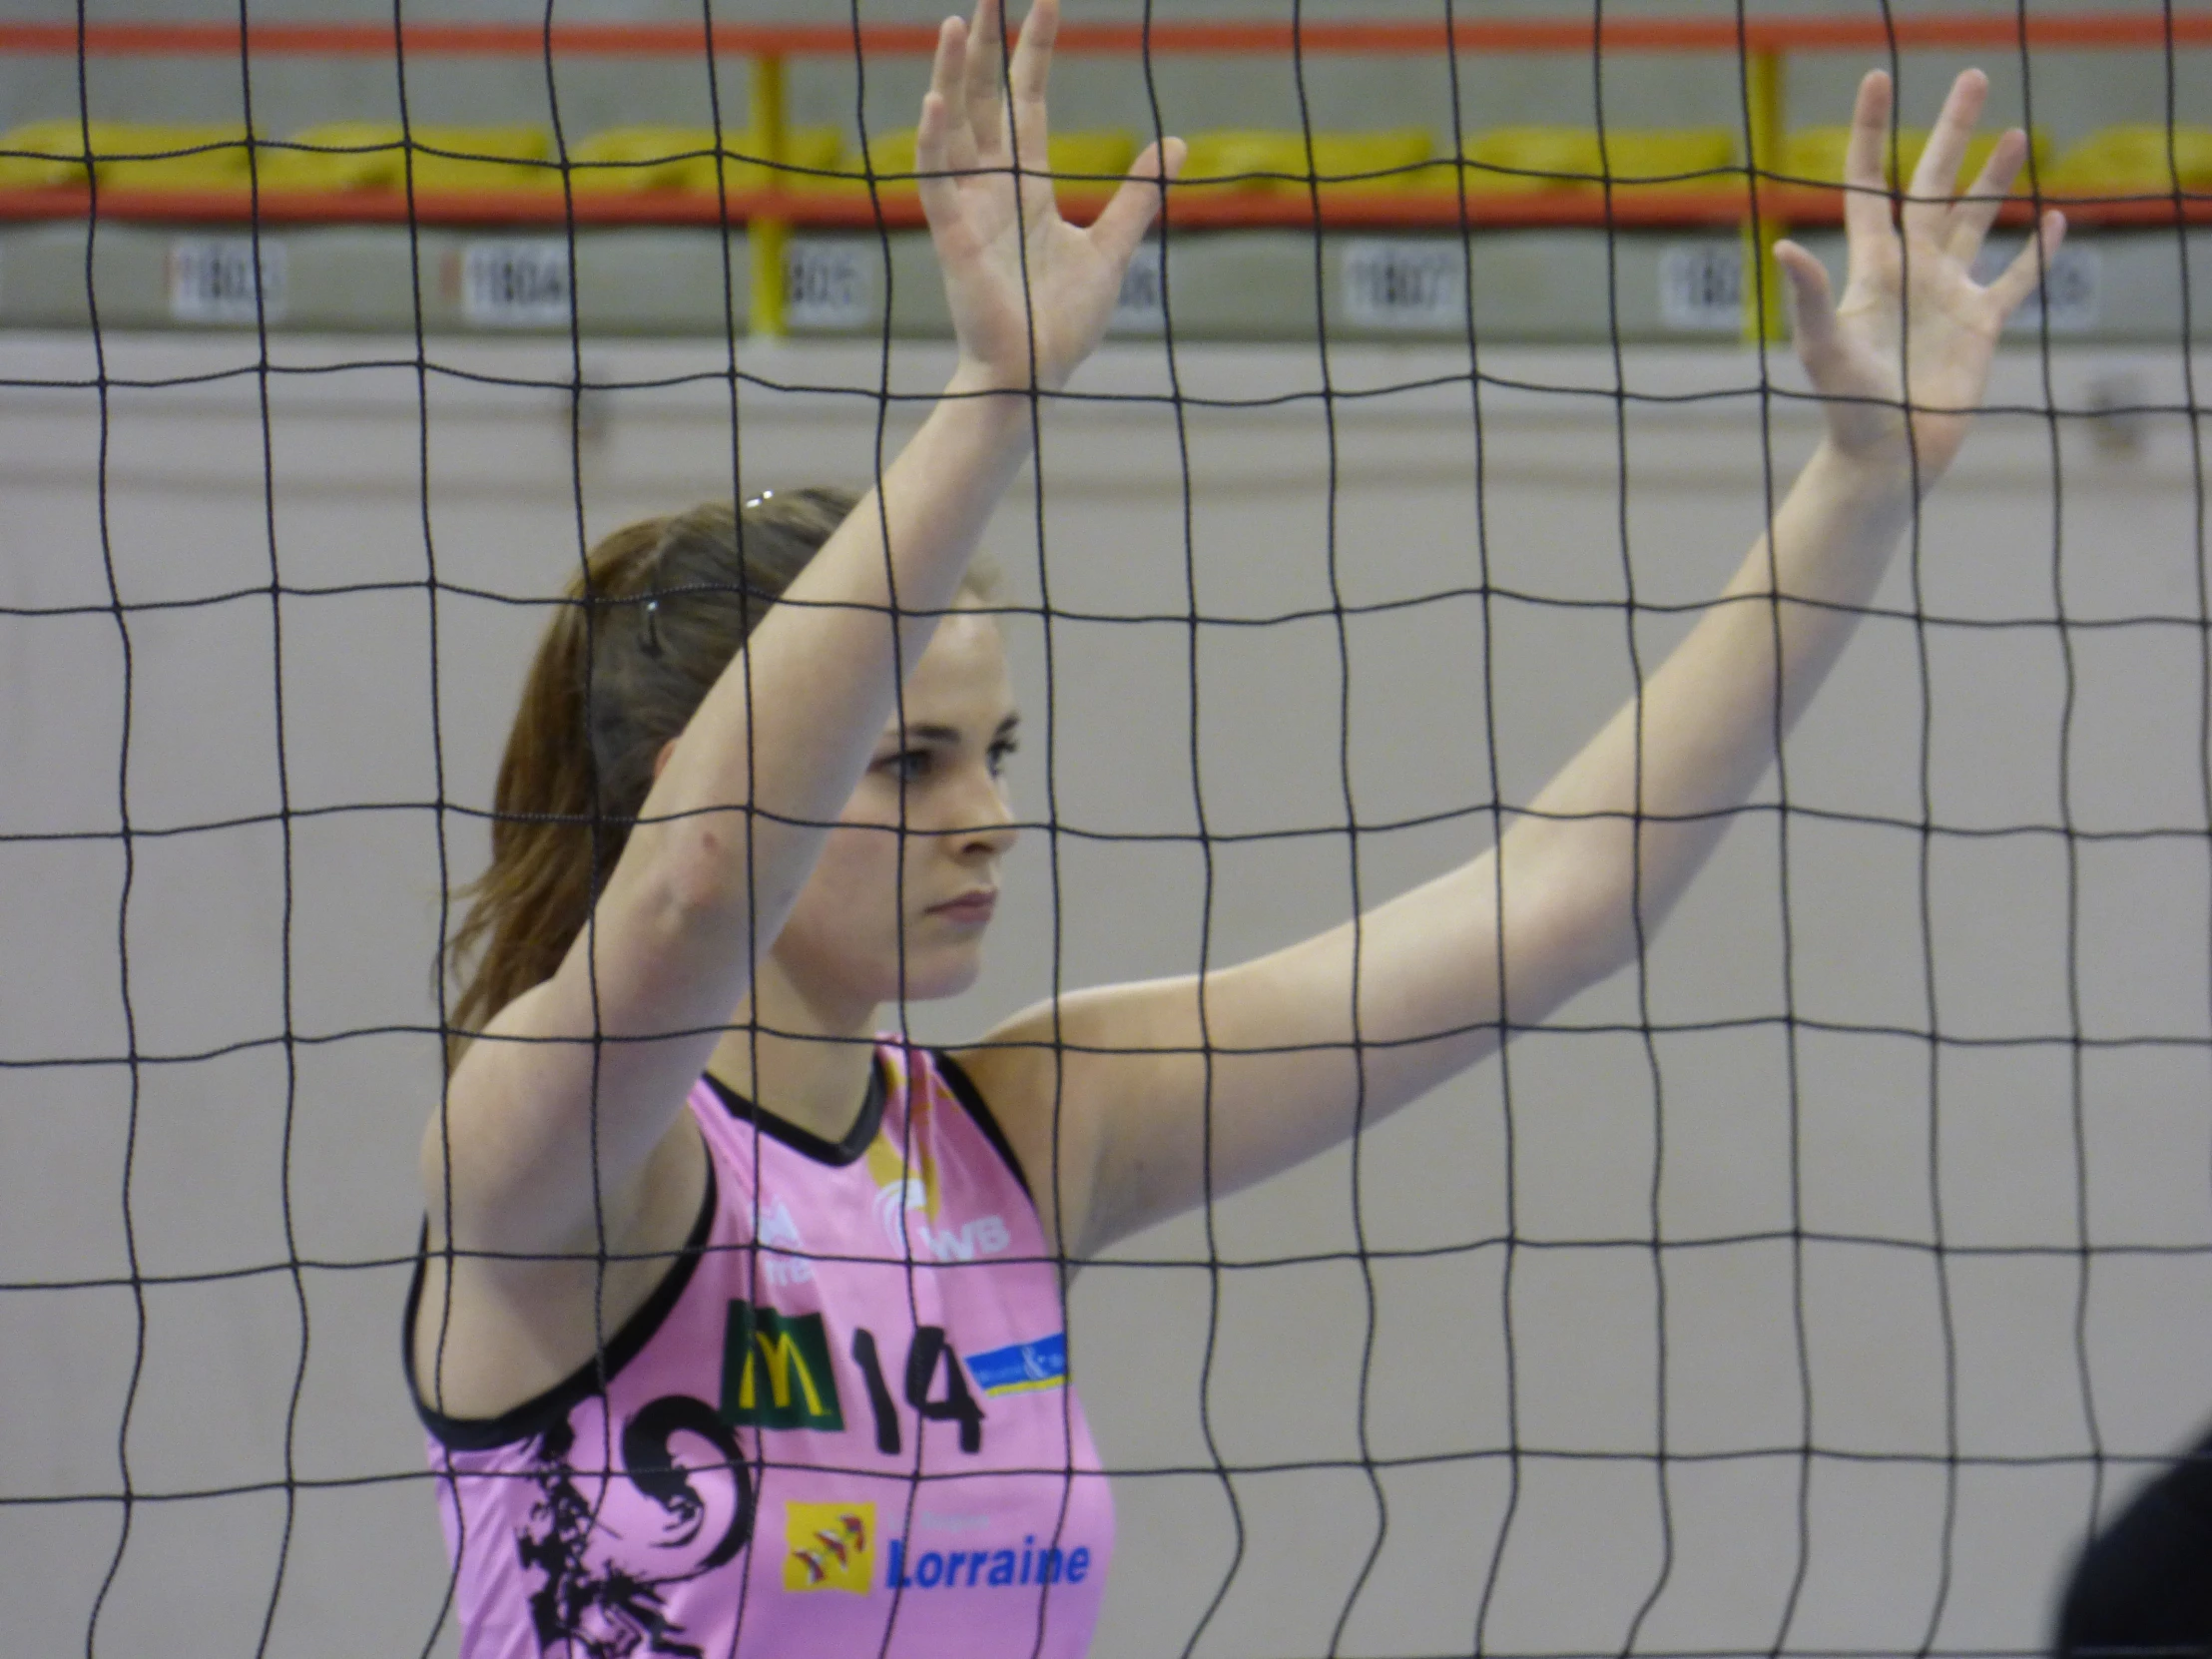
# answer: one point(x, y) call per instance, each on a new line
point(441, 812)
point(1757, 272)
point(2198, 548)
point(1925, 900)
point(126, 1497)
point(1341, 630)
point(293, 1269)
point(1647, 1041)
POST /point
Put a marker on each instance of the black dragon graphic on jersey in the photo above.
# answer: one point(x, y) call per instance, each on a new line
point(608, 1544)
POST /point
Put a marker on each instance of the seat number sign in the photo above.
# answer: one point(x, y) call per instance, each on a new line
point(830, 283)
point(1701, 287)
point(1413, 285)
point(515, 284)
point(214, 280)
point(1141, 306)
point(2069, 292)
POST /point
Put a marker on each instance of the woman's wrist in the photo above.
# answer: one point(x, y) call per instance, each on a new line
point(1834, 530)
point(995, 416)
point(978, 381)
point(1878, 479)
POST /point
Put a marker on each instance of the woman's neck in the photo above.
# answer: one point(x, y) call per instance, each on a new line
point(785, 1057)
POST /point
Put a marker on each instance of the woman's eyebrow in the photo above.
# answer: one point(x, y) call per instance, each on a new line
point(928, 733)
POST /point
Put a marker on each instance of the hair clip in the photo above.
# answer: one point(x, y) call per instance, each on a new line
point(765, 496)
point(653, 626)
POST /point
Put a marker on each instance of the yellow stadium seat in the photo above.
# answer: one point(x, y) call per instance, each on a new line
point(369, 155)
point(173, 157)
point(629, 159)
point(1545, 159)
point(626, 159)
point(1090, 161)
point(1275, 162)
point(887, 155)
point(346, 155)
point(482, 157)
point(1977, 156)
point(1815, 155)
point(1228, 161)
point(56, 153)
point(1529, 158)
point(1684, 157)
point(129, 156)
point(814, 151)
point(1390, 159)
point(890, 157)
point(2134, 161)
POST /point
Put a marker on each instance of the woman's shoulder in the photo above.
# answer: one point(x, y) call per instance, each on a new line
point(1017, 1087)
point(955, 1077)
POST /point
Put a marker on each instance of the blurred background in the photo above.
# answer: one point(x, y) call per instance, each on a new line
point(1807, 1288)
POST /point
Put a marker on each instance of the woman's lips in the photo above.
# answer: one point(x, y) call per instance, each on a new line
point(973, 909)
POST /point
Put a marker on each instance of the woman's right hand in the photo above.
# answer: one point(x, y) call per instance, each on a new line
point(1031, 294)
point(1902, 359)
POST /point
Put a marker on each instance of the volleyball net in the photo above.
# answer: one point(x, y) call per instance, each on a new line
point(1809, 1288)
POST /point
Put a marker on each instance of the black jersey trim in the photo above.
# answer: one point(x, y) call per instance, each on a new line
point(967, 1094)
point(535, 1416)
point(836, 1154)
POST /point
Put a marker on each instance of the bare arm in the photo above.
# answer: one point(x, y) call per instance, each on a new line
point(1139, 1122)
point(555, 1113)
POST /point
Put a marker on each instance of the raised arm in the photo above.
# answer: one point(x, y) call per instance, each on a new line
point(555, 1111)
point(1609, 844)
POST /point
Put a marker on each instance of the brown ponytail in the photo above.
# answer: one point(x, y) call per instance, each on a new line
point(639, 637)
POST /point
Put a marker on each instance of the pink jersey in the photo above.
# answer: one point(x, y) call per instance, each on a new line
point(843, 1425)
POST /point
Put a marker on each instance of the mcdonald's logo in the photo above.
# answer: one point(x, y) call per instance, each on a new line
point(776, 1371)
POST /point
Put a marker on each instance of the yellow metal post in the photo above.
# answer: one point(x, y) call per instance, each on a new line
point(766, 236)
point(1763, 306)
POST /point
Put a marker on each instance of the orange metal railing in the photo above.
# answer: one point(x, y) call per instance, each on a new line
point(2085, 31)
point(1760, 196)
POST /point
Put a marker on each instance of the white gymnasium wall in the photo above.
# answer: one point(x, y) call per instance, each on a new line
point(1513, 1296)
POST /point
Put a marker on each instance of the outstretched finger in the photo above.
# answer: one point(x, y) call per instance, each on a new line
point(1122, 224)
point(1812, 300)
point(1977, 210)
point(935, 172)
point(1025, 80)
point(1936, 177)
point(983, 87)
point(942, 144)
point(1866, 182)
point(2026, 270)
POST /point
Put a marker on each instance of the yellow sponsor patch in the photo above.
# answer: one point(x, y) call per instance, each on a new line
point(829, 1546)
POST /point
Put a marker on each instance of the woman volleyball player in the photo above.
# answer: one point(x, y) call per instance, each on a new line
point(738, 1326)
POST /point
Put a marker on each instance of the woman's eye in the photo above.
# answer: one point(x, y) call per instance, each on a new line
point(907, 764)
point(1002, 753)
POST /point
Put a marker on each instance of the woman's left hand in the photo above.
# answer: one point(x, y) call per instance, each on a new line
point(1031, 294)
point(1911, 337)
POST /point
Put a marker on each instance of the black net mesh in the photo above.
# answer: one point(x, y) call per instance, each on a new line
point(1811, 1287)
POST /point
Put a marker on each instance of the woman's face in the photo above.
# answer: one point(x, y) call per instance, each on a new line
point(928, 893)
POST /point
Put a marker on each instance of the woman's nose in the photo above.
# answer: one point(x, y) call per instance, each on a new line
point(985, 817)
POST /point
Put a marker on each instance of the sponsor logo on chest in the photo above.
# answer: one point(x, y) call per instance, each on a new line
point(909, 1200)
point(775, 1371)
point(778, 1234)
point(832, 1546)
point(986, 1567)
point(829, 1546)
point(1022, 1368)
point(984, 1236)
